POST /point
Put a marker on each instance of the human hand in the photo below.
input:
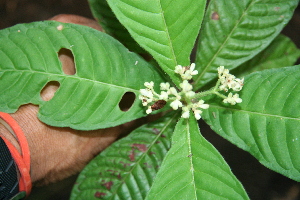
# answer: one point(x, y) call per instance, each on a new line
point(57, 153)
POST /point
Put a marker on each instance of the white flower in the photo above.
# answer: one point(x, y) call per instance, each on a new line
point(165, 86)
point(186, 86)
point(229, 81)
point(176, 104)
point(186, 76)
point(196, 107)
point(149, 110)
point(192, 67)
point(186, 112)
point(237, 84)
point(149, 85)
point(190, 94)
point(232, 99)
point(164, 96)
point(195, 72)
point(191, 70)
point(173, 91)
point(197, 114)
point(146, 93)
point(222, 71)
point(201, 104)
point(179, 69)
point(186, 73)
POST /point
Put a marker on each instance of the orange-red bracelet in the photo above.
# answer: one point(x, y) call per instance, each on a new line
point(22, 160)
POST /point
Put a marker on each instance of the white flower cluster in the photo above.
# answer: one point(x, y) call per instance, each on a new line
point(186, 98)
point(196, 108)
point(229, 81)
point(186, 73)
point(182, 99)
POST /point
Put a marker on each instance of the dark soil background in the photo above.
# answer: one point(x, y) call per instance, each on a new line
point(259, 182)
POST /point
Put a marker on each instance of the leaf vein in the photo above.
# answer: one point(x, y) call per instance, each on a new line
point(164, 128)
point(66, 102)
point(168, 35)
point(217, 179)
point(24, 85)
point(253, 112)
point(225, 41)
point(74, 77)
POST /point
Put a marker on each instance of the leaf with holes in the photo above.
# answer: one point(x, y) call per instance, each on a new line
point(267, 122)
point(126, 169)
point(235, 31)
point(104, 15)
point(281, 52)
point(105, 71)
point(166, 29)
point(194, 169)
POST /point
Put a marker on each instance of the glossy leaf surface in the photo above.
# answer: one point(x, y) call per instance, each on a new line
point(89, 99)
point(235, 31)
point(104, 15)
point(281, 52)
point(166, 29)
point(194, 169)
point(127, 168)
point(267, 122)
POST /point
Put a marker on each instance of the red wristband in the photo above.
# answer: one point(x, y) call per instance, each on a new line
point(22, 160)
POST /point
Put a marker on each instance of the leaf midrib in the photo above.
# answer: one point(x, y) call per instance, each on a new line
point(253, 112)
point(168, 35)
point(223, 44)
point(191, 158)
point(73, 77)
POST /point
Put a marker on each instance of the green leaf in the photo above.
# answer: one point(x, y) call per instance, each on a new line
point(126, 169)
point(281, 52)
point(105, 71)
point(166, 29)
point(104, 15)
point(235, 31)
point(267, 122)
point(194, 169)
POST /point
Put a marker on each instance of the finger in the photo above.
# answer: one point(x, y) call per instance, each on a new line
point(75, 19)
